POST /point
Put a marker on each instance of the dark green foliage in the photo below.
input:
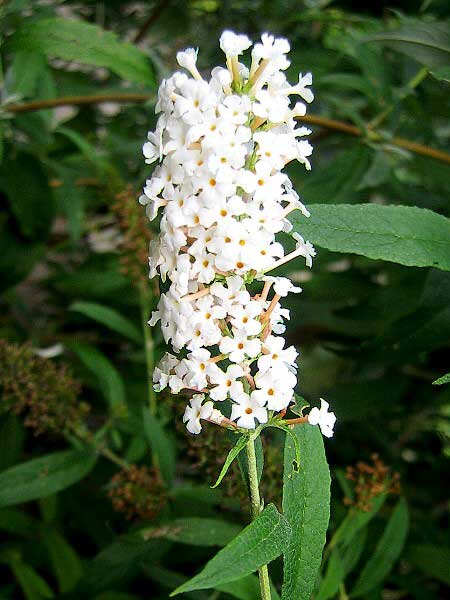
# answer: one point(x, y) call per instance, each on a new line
point(115, 503)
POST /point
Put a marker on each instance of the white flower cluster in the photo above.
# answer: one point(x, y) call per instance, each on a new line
point(222, 145)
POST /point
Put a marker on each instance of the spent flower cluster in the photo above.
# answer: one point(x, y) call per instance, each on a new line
point(222, 198)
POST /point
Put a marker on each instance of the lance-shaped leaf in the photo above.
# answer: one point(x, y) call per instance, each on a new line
point(66, 563)
point(110, 318)
point(403, 234)
point(109, 379)
point(163, 447)
point(444, 379)
point(340, 563)
point(72, 39)
point(386, 552)
point(306, 505)
point(428, 43)
point(196, 531)
point(44, 476)
point(240, 445)
point(258, 544)
point(354, 521)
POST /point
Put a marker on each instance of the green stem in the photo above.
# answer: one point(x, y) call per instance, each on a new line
point(255, 500)
point(148, 346)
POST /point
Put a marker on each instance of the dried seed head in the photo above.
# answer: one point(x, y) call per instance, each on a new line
point(138, 492)
point(371, 480)
point(43, 392)
point(136, 233)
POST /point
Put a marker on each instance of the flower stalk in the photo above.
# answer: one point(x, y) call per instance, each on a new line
point(255, 500)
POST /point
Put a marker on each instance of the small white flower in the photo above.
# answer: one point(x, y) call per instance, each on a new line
point(306, 249)
point(324, 419)
point(245, 317)
point(274, 354)
point(234, 44)
point(187, 58)
point(275, 388)
point(282, 285)
point(246, 411)
point(273, 49)
point(227, 383)
point(196, 411)
point(240, 346)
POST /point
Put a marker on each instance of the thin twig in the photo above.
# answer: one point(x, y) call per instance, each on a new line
point(325, 122)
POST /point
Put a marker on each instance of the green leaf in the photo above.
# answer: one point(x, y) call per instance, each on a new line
point(110, 318)
point(34, 587)
point(17, 256)
point(17, 522)
point(433, 560)
point(258, 544)
point(65, 562)
point(118, 562)
point(240, 445)
point(403, 234)
point(355, 520)
point(386, 552)
point(337, 181)
point(32, 204)
point(334, 576)
point(341, 562)
point(306, 505)
point(196, 531)
point(26, 70)
point(444, 379)
point(163, 447)
point(428, 43)
point(12, 438)
point(443, 74)
point(85, 43)
point(43, 476)
point(109, 379)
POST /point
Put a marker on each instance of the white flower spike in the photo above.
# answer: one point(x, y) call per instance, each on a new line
point(220, 146)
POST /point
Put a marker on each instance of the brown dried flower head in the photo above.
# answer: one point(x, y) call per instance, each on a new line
point(44, 393)
point(138, 492)
point(136, 234)
point(371, 480)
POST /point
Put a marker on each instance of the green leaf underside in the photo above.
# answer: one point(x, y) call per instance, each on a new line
point(72, 39)
point(110, 318)
point(406, 235)
point(306, 505)
point(258, 544)
point(240, 445)
point(44, 476)
point(386, 552)
point(428, 43)
point(196, 531)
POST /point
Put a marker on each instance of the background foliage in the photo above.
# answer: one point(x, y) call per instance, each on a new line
point(98, 496)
